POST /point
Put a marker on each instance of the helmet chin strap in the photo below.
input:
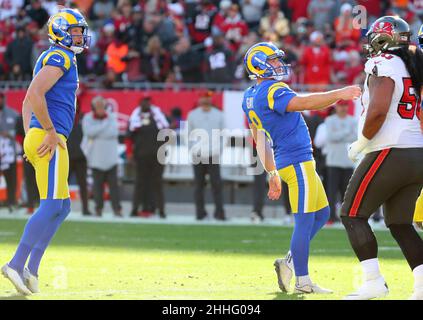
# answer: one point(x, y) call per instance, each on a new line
point(76, 49)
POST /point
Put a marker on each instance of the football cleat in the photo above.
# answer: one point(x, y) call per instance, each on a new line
point(284, 271)
point(30, 281)
point(15, 278)
point(311, 288)
point(372, 289)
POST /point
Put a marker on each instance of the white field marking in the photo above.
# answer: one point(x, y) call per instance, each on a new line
point(385, 248)
point(7, 233)
point(101, 293)
point(170, 220)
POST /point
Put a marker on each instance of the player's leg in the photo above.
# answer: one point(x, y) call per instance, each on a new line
point(60, 193)
point(284, 267)
point(311, 217)
point(304, 189)
point(35, 227)
point(318, 200)
point(46, 174)
point(373, 182)
point(399, 211)
point(31, 273)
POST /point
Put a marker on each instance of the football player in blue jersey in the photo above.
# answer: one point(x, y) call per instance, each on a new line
point(48, 114)
point(284, 147)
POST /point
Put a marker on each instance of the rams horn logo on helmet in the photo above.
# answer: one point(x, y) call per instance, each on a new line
point(257, 65)
point(58, 29)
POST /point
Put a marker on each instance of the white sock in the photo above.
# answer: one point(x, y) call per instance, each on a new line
point(289, 260)
point(418, 276)
point(303, 280)
point(371, 269)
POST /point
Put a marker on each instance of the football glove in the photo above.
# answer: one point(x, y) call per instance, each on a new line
point(357, 147)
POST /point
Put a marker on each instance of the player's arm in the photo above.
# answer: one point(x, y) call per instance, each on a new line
point(321, 100)
point(264, 149)
point(381, 90)
point(265, 153)
point(35, 102)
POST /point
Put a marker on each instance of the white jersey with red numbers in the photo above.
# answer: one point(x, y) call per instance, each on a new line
point(401, 128)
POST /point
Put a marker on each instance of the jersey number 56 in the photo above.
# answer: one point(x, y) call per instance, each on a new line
point(409, 104)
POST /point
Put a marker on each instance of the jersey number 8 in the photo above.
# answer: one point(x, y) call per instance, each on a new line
point(255, 119)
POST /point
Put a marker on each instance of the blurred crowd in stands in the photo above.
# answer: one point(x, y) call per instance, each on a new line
point(178, 42)
point(193, 41)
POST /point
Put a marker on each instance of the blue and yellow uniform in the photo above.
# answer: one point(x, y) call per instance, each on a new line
point(418, 213)
point(52, 175)
point(265, 106)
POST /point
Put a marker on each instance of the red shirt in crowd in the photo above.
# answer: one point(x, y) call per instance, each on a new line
point(219, 21)
point(3, 46)
point(372, 6)
point(200, 27)
point(234, 32)
point(299, 8)
point(121, 23)
point(316, 62)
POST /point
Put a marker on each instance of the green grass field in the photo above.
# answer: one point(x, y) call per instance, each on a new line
point(162, 261)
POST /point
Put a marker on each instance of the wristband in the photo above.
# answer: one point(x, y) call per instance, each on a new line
point(49, 128)
point(273, 173)
point(362, 141)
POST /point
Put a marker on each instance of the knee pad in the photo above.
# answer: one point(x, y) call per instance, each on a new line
point(358, 230)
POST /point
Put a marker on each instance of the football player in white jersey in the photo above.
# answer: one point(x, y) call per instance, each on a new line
point(391, 140)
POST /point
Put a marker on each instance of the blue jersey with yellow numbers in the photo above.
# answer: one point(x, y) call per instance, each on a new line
point(61, 98)
point(265, 106)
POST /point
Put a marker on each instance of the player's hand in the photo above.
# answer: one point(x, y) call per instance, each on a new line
point(350, 93)
point(49, 144)
point(353, 151)
point(275, 188)
point(357, 147)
